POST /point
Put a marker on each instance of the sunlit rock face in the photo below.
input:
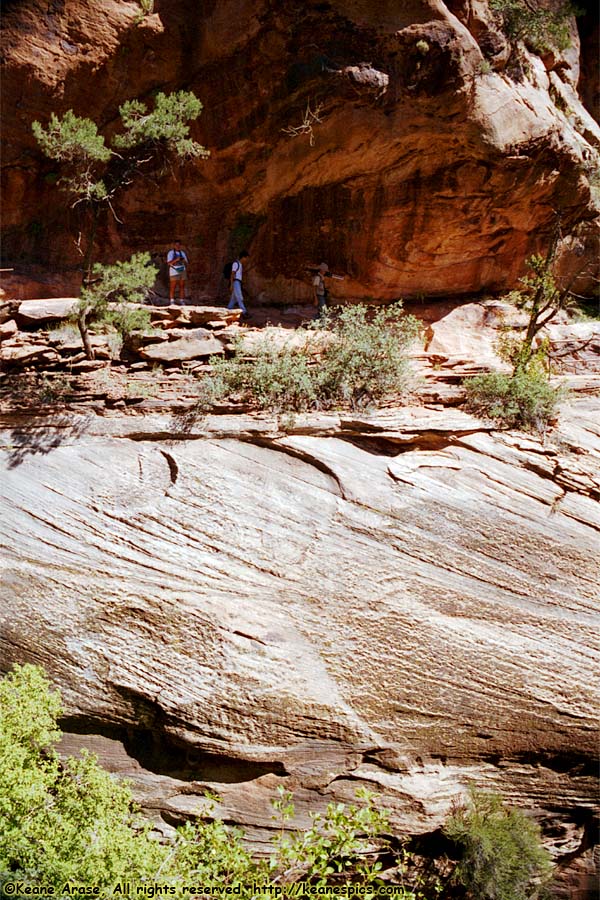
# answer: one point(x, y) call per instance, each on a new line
point(407, 600)
point(434, 165)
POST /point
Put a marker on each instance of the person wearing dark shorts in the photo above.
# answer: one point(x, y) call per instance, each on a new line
point(178, 271)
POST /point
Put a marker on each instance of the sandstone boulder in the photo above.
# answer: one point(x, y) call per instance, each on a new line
point(137, 339)
point(575, 347)
point(38, 312)
point(205, 315)
point(16, 354)
point(184, 348)
point(466, 339)
point(8, 329)
point(469, 333)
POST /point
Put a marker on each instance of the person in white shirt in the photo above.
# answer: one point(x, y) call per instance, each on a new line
point(178, 270)
point(235, 283)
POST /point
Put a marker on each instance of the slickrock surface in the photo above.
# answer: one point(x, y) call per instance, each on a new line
point(407, 600)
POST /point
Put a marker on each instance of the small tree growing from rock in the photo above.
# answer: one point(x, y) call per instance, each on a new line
point(525, 398)
point(94, 173)
point(125, 282)
point(542, 29)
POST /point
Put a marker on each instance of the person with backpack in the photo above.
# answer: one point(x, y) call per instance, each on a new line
point(320, 292)
point(235, 283)
point(178, 263)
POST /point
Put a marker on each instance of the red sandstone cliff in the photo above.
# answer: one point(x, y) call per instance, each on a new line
point(435, 168)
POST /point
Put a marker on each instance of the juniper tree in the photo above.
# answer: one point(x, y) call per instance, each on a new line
point(502, 857)
point(526, 397)
point(94, 172)
point(123, 282)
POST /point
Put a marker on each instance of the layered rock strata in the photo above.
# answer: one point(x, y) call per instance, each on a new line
point(406, 600)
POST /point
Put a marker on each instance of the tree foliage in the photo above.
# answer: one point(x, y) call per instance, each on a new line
point(106, 297)
point(60, 821)
point(166, 124)
point(75, 143)
point(342, 843)
point(526, 397)
point(542, 299)
point(542, 29)
point(502, 855)
point(70, 821)
point(67, 821)
point(94, 172)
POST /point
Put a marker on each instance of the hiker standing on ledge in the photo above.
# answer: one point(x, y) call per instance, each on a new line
point(235, 283)
point(320, 292)
point(178, 269)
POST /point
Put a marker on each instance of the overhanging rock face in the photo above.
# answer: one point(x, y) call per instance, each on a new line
point(435, 164)
point(407, 600)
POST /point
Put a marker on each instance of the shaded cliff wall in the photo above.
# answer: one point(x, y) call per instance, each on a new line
point(436, 168)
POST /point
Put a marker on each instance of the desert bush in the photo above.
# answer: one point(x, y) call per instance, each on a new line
point(542, 299)
point(64, 332)
point(525, 399)
point(125, 319)
point(34, 389)
point(352, 358)
point(366, 358)
point(502, 855)
point(343, 842)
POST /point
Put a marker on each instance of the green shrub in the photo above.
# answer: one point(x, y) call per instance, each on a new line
point(587, 310)
point(67, 820)
point(60, 822)
point(525, 399)
point(543, 29)
point(34, 389)
point(350, 359)
point(366, 358)
point(125, 319)
point(70, 821)
point(502, 855)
